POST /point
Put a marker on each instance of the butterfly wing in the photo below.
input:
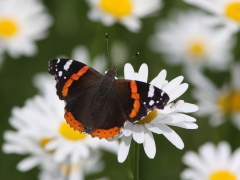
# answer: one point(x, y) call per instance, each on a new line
point(138, 98)
point(75, 83)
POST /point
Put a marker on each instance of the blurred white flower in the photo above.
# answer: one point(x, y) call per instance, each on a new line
point(126, 12)
point(22, 22)
point(212, 163)
point(81, 53)
point(228, 11)
point(191, 38)
point(76, 171)
point(158, 121)
point(217, 103)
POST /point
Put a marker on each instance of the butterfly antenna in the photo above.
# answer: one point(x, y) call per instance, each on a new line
point(135, 55)
point(108, 56)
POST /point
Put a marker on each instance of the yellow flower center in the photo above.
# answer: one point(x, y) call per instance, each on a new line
point(223, 175)
point(117, 8)
point(149, 117)
point(43, 143)
point(229, 102)
point(196, 49)
point(8, 28)
point(232, 11)
point(67, 132)
point(67, 169)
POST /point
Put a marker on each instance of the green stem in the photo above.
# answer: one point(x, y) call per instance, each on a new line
point(128, 169)
point(136, 161)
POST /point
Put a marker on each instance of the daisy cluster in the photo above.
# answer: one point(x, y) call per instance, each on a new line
point(202, 41)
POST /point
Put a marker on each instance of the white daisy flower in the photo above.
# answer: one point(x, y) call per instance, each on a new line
point(191, 38)
point(217, 103)
point(126, 12)
point(227, 10)
point(22, 22)
point(19, 143)
point(157, 121)
point(76, 171)
point(212, 163)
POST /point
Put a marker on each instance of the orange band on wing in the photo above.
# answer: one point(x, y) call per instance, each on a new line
point(136, 96)
point(74, 77)
point(108, 133)
point(76, 125)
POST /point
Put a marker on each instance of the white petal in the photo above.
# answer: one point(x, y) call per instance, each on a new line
point(172, 84)
point(171, 135)
point(153, 128)
point(127, 130)
point(138, 133)
point(178, 91)
point(129, 72)
point(28, 163)
point(149, 144)
point(192, 160)
point(234, 161)
point(191, 174)
point(185, 125)
point(188, 108)
point(61, 153)
point(143, 73)
point(224, 154)
point(124, 148)
point(160, 79)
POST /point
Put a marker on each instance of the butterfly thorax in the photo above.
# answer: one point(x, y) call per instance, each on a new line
point(106, 84)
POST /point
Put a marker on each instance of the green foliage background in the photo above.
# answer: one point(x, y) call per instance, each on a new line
point(71, 28)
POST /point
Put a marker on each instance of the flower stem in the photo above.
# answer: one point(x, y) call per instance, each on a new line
point(136, 161)
point(128, 169)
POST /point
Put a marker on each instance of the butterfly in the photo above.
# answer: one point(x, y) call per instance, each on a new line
point(101, 104)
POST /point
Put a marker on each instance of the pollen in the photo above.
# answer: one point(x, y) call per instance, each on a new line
point(232, 10)
point(229, 103)
point(67, 132)
point(152, 115)
point(223, 175)
point(8, 28)
point(116, 8)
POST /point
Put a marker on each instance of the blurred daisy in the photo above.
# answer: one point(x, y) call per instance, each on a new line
point(158, 121)
point(191, 38)
point(212, 163)
point(217, 103)
point(22, 22)
point(227, 10)
point(126, 12)
point(77, 171)
point(81, 53)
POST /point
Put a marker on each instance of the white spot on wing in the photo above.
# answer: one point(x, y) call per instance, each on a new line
point(60, 73)
point(151, 102)
point(67, 65)
point(162, 93)
point(58, 61)
point(151, 91)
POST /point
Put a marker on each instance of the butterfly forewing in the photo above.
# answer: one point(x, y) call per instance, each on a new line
point(72, 76)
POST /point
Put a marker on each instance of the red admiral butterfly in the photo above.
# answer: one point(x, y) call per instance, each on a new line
point(100, 104)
